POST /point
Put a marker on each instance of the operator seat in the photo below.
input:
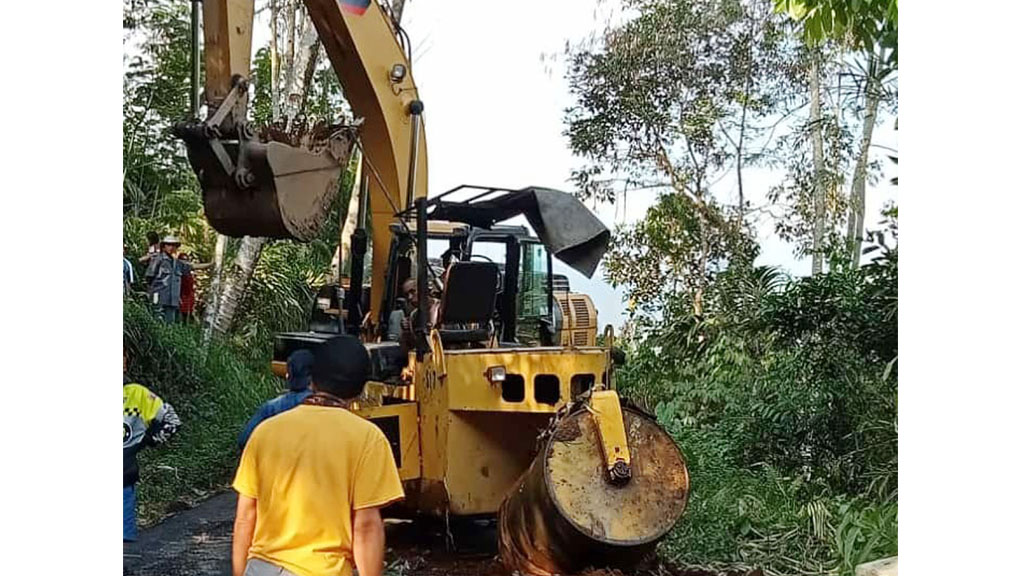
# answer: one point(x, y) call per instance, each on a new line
point(328, 297)
point(468, 302)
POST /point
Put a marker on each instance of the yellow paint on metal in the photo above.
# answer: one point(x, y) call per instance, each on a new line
point(363, 51)
point(468, 388)
point(474, 443)
point(409, 437)
point(486, 453)
point(564, 515)
point(227, 44)
point(607, 412)
point(437, 354)
point(438, 227)
point(279, 368)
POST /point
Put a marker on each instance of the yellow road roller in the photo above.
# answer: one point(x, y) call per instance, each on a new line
point(493, 387)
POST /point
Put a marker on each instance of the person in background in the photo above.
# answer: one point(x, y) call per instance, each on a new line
point(164, 276)
point(127, 272)
point(148, 421)
point(153, 248)
point(399, 318)
point(312, 480)
point(187, 301)
point(299, 376)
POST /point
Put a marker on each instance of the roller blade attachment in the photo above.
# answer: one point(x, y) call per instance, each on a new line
point(566, 514)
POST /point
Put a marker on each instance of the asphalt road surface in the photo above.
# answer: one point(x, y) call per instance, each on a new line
point(197, 542)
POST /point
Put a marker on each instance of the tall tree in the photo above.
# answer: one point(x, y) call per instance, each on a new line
point(875, 74)
point(870, 29)
point(808, 205)
point(820, 183)
point(673, 100)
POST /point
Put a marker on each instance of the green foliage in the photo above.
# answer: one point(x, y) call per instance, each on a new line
point(863, 24)
point(156, 94)
point(662, 98)
point(262, 99)
point(214, 392)
point(673, 251)
point(783, 399)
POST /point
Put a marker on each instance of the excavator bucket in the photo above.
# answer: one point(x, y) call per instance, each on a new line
point(270, 189)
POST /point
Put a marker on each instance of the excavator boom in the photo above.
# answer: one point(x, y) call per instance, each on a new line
point(256, 185)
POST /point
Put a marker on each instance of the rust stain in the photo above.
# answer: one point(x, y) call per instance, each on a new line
point(567, 431)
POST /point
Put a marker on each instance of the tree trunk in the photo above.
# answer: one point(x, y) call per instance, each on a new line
point(300, 73)
point(307, 78)
point(275, 59)
point(818, 234)
point(237, 282)
point(345, 245)
point(287, 101)
point(213, 300)
point(751, 39)
point(289, 30)
point(855, 219)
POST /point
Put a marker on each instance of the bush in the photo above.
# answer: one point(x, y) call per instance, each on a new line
point(214, 396)
point(784, 404)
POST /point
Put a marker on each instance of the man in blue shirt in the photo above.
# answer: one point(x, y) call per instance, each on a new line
point(299, 375)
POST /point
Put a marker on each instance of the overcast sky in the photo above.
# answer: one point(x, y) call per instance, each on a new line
point(493, 114)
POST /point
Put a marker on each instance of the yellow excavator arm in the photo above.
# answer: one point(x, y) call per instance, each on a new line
point(253, 186)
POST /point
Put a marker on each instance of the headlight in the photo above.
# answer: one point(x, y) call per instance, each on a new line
point(495, 374)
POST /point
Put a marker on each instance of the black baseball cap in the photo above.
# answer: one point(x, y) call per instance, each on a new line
point(341, 366)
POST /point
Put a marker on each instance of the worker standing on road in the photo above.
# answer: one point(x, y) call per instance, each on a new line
point(148, 421)
point(299, 376)
point(312, 480)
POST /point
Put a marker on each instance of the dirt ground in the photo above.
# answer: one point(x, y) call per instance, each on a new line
point(197, 542)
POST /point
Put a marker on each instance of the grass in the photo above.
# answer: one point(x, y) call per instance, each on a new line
point(214, 397)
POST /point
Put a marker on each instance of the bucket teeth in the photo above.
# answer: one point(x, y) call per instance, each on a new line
point(267, 189)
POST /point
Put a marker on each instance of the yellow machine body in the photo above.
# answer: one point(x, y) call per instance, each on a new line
point(477, 428)
point(477, 437)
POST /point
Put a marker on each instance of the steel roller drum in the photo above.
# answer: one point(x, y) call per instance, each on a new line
point(564, 515)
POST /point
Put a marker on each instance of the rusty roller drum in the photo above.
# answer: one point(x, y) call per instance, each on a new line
point(564, 515)
point(286, 193)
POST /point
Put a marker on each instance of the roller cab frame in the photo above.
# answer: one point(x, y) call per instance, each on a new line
point(464, 424)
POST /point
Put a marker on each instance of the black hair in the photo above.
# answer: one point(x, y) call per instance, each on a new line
point(341, 366)
point(152, 237)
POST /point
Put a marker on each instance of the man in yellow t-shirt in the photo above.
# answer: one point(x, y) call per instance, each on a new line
point(312, 480)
